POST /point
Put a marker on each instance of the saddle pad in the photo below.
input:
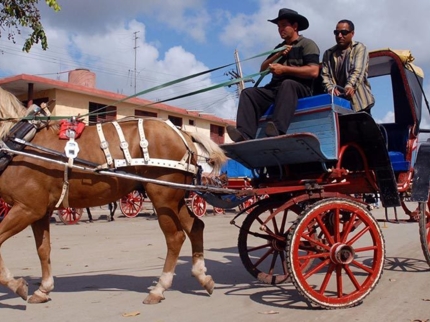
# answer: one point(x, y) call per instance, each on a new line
point(65, 125)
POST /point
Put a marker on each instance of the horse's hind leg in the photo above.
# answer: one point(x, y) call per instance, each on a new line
point(175, 238)
point(43, 245)
point(194, 228)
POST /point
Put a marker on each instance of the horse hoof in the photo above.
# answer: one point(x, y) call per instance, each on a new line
point(153, 299)
point(209, 284)
point(37, 299)
point(22, 289)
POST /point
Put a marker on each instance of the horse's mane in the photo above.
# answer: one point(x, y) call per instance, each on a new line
point(10, 108)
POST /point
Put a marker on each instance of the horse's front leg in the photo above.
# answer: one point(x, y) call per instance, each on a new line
point(17, 219)
point(43, 246)
point(175, 238)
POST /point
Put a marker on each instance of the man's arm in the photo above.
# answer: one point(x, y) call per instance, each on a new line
point(273, 58)
point(327, 74)
point(307, 71)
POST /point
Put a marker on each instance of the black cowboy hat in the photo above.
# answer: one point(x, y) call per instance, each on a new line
point(292, 15)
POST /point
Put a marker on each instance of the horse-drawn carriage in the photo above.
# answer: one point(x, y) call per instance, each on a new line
point(310, 228)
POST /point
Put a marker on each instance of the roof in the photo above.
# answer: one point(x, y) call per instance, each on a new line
point(406, 57)
point(18, 85)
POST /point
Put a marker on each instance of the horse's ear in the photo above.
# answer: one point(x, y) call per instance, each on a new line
point(210, 161)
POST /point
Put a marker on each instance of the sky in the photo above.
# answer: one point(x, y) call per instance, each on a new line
point(134, 45)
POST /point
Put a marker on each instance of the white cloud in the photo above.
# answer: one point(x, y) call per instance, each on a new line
point(179, 38)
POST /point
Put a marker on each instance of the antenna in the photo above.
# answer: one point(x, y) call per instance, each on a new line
point(135, 58)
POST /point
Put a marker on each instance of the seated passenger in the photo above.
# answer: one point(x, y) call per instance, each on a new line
point(346, 65)
point(292, 78)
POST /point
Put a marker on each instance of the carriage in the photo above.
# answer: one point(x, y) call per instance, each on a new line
point(310, 228)
point(313, 229)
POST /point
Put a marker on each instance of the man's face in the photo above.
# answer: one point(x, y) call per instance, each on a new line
point(286, 29)
point(343, 35)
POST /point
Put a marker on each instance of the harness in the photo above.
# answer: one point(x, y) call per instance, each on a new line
point(184, 164)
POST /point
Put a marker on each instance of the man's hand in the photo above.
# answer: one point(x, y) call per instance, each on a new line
point(336, 92)
point(277, 69)
point(349, 92)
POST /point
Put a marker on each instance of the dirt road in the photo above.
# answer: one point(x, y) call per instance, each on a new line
point(104, 270)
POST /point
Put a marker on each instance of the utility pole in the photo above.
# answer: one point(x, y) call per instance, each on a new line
point(241, 84)
point(237, 74)
point(135, 58)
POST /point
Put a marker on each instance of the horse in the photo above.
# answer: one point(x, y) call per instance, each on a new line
point(112, 208)
point(34, 185)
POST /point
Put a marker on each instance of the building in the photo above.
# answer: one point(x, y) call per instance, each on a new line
point(79, 96)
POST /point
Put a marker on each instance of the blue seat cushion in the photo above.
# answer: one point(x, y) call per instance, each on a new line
point(313, 103)
point(398, 161)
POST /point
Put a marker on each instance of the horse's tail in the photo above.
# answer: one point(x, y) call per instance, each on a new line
point(216, 156)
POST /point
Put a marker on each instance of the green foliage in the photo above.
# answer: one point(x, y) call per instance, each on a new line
point(15, 14)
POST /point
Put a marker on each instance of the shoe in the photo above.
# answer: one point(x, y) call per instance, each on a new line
point(235, 134)
point(271, 129)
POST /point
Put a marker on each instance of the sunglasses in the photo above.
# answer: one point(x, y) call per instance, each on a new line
point(342, 32)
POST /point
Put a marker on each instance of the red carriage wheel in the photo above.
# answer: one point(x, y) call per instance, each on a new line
point(4, 209)
point(347, 241)
point(69, 216)
point(131, 204)
point(198, 205)
point(424, 224)
point(218, 211)
point(248, 203)
point(263, 251)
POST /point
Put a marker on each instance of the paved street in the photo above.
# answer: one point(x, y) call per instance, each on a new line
point(104, 270)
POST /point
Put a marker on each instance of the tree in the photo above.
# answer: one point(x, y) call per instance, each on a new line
point(15, 14)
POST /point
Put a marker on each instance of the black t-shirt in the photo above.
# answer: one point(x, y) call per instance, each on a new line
point(304, 52)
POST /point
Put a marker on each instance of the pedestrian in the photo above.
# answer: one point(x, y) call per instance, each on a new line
point(293, 70)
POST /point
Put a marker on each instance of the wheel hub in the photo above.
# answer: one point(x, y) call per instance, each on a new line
point(279, 245)
point(342, 254)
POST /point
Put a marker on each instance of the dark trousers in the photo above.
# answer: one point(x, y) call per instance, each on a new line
point(255, 101)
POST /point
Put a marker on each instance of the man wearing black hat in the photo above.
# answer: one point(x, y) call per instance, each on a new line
point(293, 70)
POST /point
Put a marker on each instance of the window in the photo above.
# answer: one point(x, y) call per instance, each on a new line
point(144, 113)
point(176, 120)
point(217, 134)
point(191, 122)
point(101, 113)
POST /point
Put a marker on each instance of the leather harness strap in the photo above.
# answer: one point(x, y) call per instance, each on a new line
point(104, 145)
point(123, 143)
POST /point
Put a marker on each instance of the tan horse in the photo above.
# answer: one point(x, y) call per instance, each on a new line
point(33, 188)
